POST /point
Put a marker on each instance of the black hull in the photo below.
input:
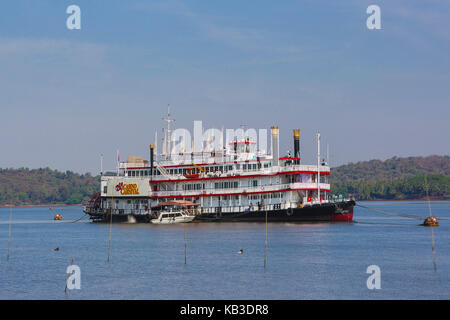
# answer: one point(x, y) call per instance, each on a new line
point(328, 212)
point(342, 211)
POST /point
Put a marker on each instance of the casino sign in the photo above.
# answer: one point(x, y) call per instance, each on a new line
point(127, 188)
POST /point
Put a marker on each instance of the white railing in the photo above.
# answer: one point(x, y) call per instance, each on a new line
point(231, 191)
point(243, 173)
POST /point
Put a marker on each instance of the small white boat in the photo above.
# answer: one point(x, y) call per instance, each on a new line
point(175, 211)
point(169, 217)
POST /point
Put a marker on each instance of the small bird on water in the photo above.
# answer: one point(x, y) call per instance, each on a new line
point(241, 251)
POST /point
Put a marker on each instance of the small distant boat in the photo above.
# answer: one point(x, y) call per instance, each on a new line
point(431, 221)
point(57, 217)
point(175, 211)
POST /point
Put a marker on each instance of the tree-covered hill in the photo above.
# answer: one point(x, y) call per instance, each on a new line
point(394, 179)
point(45, 186)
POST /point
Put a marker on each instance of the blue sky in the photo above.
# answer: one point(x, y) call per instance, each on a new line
point(68, 95)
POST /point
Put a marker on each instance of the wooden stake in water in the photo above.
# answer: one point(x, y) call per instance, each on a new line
point(265, 245)
point(433, 248)
point(9, 237)
point(185, 247)
point(67, 279)
point(110, 229)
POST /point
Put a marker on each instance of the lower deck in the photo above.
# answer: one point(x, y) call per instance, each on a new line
point(325, 212)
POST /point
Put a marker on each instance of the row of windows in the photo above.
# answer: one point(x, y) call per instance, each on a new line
point(142, 173)
point(195, 186)
point(275, 195)
point(183, 171)
point(226, 185)
point(266, 196)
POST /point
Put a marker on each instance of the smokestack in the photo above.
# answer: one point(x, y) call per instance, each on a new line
point(296, 145)
point(275, 146)
point(152, 148)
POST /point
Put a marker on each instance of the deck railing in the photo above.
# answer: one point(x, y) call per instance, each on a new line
point(216, 210)
point(239, 190)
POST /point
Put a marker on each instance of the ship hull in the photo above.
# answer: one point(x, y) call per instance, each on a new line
point(327, 212)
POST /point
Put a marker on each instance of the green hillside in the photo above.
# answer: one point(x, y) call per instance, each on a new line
point(394, 179)
point(45, 186)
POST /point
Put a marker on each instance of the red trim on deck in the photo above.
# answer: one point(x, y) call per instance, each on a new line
point(233, 194)
point(325, 173)
point(214, 163)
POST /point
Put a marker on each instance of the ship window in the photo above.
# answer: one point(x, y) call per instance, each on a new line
point(129, 173)
point(105, 189)
point(133, 173)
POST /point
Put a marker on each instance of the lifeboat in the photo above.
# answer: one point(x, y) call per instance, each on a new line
point(191, 175)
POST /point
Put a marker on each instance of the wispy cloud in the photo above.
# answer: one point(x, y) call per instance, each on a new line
point(53, 51)
point(238, 37)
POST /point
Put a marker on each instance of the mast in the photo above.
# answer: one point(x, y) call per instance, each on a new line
point(169, 132)
point(318, 166)
point(118, 162)
point(101, 164)
point(156, 145)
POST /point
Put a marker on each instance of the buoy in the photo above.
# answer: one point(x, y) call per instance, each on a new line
point(431, 221)
point(57, 249)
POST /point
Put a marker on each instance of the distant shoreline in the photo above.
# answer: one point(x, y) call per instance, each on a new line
point(38, 205)
point(79, 205)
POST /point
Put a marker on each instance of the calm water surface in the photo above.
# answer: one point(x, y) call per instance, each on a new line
point(304, 261)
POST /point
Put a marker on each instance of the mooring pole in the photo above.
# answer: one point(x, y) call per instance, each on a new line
point(433, 248)
point(9, 237)
point(265, 244)
point(67, 279)
point(185, 246)
point(110, 227)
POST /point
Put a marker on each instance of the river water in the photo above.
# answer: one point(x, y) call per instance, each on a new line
point(304, 261)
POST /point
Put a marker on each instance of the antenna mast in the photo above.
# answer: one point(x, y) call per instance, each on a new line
point(169, 132)
point(318, 166)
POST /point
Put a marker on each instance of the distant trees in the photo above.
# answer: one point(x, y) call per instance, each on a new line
point(394, 179)
point(45, 186)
